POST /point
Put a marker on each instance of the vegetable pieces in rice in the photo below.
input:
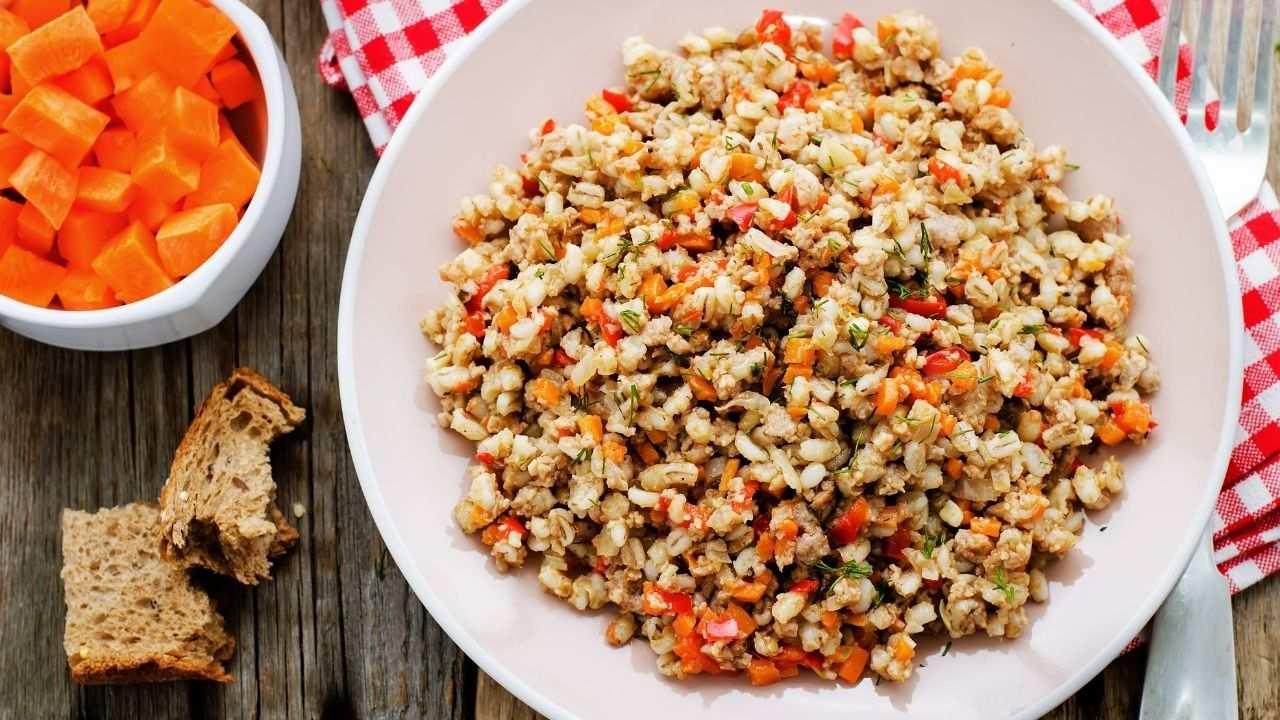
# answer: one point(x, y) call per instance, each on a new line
point(791, 357)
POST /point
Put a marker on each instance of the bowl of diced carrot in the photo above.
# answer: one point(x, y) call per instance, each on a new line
point(149, 160)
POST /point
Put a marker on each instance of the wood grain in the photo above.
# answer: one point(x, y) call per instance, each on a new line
point(337, 633)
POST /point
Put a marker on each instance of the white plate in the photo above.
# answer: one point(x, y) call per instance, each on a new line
point(1071, 86)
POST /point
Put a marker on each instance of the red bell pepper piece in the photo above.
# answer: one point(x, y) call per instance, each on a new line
point(944, 361)
point(493, 276)
point(1075, 335)
point(804, 587)
point(657, 601)
point(1023, 389)
point(547, 126)
point(842, 40)
point(933, 306)
point(897, 542)
point(891, 322)
point(795, 96)
point(612, 331)
point(845, 529)
point(771, 27)
point(720, 628)
point(486, 459)
point(619, 101)
point(742, 214)
point(476, 323)
point(944, 172)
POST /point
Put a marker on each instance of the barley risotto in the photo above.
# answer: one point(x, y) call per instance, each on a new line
point(792, 352)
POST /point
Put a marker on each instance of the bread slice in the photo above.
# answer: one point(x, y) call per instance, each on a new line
point(131, 615)
point(217, 508)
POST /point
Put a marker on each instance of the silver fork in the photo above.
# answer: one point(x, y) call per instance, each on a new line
point(1191, 668)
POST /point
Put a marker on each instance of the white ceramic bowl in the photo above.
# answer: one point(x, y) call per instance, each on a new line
point(272, 133)
point(533, 60)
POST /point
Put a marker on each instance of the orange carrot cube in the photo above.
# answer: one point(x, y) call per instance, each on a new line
point(131, 266)
point(53, 120)
point(205, 89)
point(8, 223)
point(188, 35)
point(150, 210)
point(7, 104)
point(13, 150)
point(60, 46)
point(227, 52)
point(29, 278)
point(91, 82)
point(34, 231)
point(193, 121)
point(47, 184)
point(188, 238)
point(83, 290)
point(108, 15)
point(235, 82)
point(142, 106)
point(39, 12)
point(229, 176)
point(104, 190)
point(129, 62)
point(85, 232)
point(18, 85)
point(116, 149)
point(12, 28)
point(162, 169)
point(140, 13)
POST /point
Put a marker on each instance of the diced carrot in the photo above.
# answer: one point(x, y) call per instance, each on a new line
point(117, 149)
point(795, 371)
point(235, 82)
point(954, 468)
point(591, 426)
point(765, 546)
point(53, 120)
point(761, 672)
point(188, 35)
point(140, 13)
point(225, 131)
point(985, 526)
point(1110, 433)
point(1113, 354)
point(162, 169)
point(34, 231)
point(12, 28)
point(547, 392)
point(39, 12)
point(205, 89)
point(19, 86)
point(800, 350)
point(142, 106)
point(189, 237)
point(29, 278)
point(886, 344)
point(746, 623)
point(7, 104)
point(648, 453)
point(130, 264)
point(9, 211)
point(887, 397)
point(229, 51)
point(90, 83)
point(506, 318)
point(83, 290)
point(149, 210)
point(104, 190)
point(60, 46)
point(702, 388)
point(109, 15)
point(852, 668)
point(85, 232)
point(615, 452)
point(193, 121)
point(47, 184)
point(750, 592)
point(129, 63)
point(13, 150)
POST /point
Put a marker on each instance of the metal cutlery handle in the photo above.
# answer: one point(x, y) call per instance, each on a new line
point(1191, 669)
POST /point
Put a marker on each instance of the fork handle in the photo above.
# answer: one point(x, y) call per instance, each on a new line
point(1191, 668)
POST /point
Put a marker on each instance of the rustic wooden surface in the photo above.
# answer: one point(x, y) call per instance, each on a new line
point(338, 633)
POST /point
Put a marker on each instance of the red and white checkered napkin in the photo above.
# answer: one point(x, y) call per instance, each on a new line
point(384, 51)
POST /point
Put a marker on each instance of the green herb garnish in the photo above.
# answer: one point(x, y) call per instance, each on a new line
point(1003, 585)
point(853, 570)
point(632, 320)
point(926, 244)
point(1031, 330)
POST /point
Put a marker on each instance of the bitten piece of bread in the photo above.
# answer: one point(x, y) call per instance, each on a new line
point(217, 509)
point(131, 615)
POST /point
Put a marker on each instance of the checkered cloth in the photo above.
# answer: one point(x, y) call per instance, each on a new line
point(383, 52)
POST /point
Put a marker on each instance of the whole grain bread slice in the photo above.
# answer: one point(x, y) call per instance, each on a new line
point(217, 509)
point(132, 616)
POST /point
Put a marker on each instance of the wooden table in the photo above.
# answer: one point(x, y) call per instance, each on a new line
point(338, 633)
